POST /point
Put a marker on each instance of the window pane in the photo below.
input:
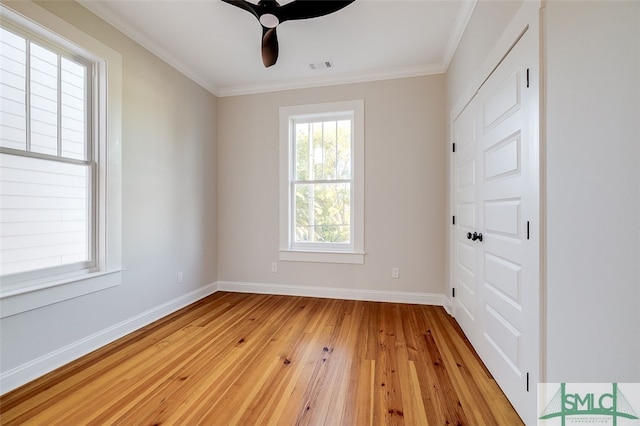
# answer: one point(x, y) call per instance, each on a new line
point(44, 100)
point(323, 150)
point(73, 109)
point(58, 101)
point(304, 215)
point(316, 152)
point(44, 214)
point(13, 119)
point(343, 161)
point(329, 150)
point(322, 213)
point(302, 151)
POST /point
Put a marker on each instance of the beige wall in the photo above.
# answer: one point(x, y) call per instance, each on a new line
point(168, 202)
point(404, 187)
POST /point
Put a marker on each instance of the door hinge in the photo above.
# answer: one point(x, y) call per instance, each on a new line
point(527, 77)
point(453, 292)
point(453, 221)
point(453, 145)
point(528, 235)
point(527, 382)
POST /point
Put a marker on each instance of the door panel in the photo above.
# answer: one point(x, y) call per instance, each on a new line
point(497, 287)
point(502, 217)
point(503, 101)
point(503, 159)
point(466, 216)
point(504, 339)
point(504, 276)
point(507, 342)
point(465, 178)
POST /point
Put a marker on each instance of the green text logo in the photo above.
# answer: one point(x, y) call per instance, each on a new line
point(586, 403)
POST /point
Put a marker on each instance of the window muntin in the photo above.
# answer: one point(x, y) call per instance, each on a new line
point(47, 169)
point(321, 186)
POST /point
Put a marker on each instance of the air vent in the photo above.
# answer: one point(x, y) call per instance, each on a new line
point(321, 65)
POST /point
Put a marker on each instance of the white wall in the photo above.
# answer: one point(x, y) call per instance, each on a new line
point(404, 188)
point(591, 198)
point(168, 203)
point(592, 56)
point(488, 21)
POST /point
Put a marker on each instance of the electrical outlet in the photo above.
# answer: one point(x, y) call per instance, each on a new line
point(274, 267)
point(180, 278)
point(395, 272)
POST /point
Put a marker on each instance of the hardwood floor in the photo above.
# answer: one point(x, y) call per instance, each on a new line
point(257, 359)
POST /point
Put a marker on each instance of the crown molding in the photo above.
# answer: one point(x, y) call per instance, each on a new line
point(459, 26)
point(115, 21)
point(350, 78)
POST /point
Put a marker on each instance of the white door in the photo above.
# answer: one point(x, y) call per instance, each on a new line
point(506, 259)
point(466, 262)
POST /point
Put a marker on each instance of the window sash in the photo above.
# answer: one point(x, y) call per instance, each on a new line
point(41, 229)
point(64, 97)
point(312, 242)
point(62, 54)
point(294, 244)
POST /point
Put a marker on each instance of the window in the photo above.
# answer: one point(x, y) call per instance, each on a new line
point(322, 171)
point(46, 161)
point(58, 165)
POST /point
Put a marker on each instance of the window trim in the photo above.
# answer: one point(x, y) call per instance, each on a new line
point(289, 252)
point(28, 295)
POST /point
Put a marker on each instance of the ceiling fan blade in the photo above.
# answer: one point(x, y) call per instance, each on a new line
point(243, 4)
point(270, 14)
point(305, 9)
point(269, 46)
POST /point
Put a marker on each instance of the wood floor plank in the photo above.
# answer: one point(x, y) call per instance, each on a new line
point(459, 353)
point(54, 389)
point(251, 359)
point(280, 381)
point(153, 386)
point(245, 347)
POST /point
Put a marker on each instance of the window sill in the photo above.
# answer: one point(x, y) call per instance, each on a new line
point(28, 297)
point(322, 257)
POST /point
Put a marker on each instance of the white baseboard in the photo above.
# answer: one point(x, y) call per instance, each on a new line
point(31, 370)
point(448, 305)
point(334, 293)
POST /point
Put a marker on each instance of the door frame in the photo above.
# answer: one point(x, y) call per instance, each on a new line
point(527, 18)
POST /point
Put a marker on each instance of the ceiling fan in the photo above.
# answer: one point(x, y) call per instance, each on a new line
point(270, 14)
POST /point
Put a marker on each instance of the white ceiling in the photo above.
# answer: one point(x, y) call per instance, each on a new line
point(218, 45)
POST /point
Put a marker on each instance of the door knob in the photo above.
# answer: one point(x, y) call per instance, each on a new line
point(475, 236)
point(468, 235)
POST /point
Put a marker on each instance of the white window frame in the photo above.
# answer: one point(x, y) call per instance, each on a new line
point(322, 252)
point(33, 292)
